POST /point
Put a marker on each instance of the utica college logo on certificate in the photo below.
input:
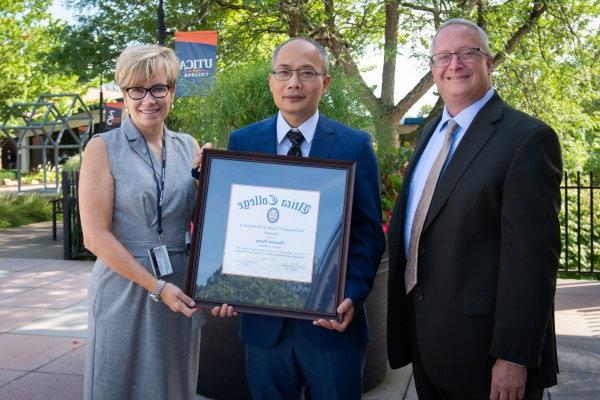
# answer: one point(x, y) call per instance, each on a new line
point(273, 215)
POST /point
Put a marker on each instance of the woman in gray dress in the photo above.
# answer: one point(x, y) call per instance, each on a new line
point(136, 197)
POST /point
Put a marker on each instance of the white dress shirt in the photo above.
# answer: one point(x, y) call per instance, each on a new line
point(433, 147)
point(307, 129)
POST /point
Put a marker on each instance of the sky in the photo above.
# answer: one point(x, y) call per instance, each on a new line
point(59, 11)
point(408, 73)
point(408, 70)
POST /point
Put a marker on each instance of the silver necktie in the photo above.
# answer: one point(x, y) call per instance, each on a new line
point(410, 274)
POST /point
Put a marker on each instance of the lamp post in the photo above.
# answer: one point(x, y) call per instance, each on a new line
point(162, 30)
point(101, 122)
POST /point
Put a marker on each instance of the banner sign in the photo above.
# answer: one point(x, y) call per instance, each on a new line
point(198, 54)
point(113, 114)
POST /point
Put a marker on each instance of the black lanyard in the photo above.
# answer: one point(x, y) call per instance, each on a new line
point(160, 187)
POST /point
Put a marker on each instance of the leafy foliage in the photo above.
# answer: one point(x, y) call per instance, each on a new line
point(72, 163)
point(17, 210)
point(27, 38)
point(241, 97)
point(392, 170)
point(257, 291)
point(545, 52)
point(553, 75)
point(8, 174)
point(580, 244)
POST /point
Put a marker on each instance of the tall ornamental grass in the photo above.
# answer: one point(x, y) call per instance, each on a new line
point(17, 210)
point(241, 96)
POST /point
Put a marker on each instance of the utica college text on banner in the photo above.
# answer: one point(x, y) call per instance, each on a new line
point(198, 54)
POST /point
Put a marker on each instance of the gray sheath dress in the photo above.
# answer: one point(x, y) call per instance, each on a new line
point(138, 348)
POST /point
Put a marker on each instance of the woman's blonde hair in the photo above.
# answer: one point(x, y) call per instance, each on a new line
point(141, 62)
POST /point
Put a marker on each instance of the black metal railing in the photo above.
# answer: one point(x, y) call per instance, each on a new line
point(73, 247)
point(579, 220)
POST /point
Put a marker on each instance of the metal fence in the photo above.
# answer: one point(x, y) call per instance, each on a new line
point(73, 247)
point(579, 220)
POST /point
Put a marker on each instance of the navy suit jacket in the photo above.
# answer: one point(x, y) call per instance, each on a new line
point(334, 141)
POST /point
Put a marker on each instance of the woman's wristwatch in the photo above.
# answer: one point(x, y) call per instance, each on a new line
point(159, 287)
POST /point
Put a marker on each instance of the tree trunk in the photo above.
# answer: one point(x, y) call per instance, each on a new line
point(390, 48)
point(386, 132)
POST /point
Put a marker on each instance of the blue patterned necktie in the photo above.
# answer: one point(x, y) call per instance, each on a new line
point(296, 138)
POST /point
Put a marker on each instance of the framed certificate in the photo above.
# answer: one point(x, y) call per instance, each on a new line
point(271, 234)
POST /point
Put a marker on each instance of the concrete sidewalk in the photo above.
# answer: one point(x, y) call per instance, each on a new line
point(32, 241)
point(43, 315)
point(49, 189)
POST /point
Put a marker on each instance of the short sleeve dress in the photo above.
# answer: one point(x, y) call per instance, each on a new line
point(138, 348)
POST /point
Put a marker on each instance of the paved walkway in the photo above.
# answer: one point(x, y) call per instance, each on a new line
point(43, 327)
point(49, 189)
point(32, 241)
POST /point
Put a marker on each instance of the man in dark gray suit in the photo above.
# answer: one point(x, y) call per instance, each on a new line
point(474, 239)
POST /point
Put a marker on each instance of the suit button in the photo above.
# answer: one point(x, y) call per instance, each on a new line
point(421, 250)
point(419, 296)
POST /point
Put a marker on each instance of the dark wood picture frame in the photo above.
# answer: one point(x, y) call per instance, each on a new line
point(318, 298)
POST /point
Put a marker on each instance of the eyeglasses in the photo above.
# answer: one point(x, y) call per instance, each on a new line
point(304, 74)
point(157, 91)
point(465, 55)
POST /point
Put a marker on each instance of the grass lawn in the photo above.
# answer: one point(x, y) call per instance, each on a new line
point(579, 275)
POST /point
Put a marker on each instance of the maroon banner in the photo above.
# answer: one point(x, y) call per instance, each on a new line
point(113, 114)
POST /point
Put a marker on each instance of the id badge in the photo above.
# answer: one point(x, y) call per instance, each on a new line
point(159, 259)
point(188, 242)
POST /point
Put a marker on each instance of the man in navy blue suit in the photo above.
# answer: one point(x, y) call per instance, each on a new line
point(286, 356)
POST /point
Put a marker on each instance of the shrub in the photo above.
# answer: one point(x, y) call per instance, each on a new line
point(38, 175)
point(241, 96)
point(72, 163)
point(8, 174)
point(17, 210)
point(392, 172)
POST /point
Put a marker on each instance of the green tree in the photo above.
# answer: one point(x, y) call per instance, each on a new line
point(544, 53)
point(559, 81)
point(241, 97)
point(519, 29)
point(27, 37)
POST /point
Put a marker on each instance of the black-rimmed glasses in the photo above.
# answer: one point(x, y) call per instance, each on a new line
point(304, 74)
point(157, 91)
point(465, 55)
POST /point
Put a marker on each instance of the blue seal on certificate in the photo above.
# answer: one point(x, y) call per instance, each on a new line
point(273, 215)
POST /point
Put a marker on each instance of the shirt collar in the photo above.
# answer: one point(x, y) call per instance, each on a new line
point(466, 116)
point(307, 128)
point(133, 134)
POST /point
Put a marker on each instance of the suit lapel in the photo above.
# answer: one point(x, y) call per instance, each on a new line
point(420, 147)
point(481, 130)
point(266, 137)
point(323, 140)
point(399, 214)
